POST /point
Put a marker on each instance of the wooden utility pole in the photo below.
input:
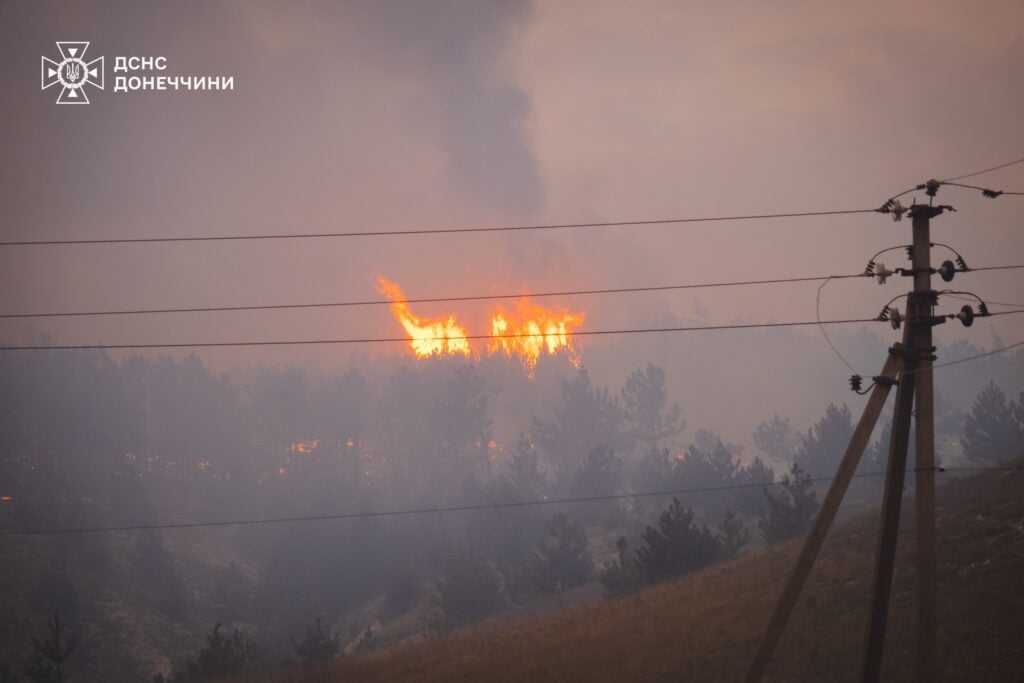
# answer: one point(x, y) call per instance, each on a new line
point(910, 367)
point(914, 387)
point(885, 556)
point(924, 453)
point(829, 507)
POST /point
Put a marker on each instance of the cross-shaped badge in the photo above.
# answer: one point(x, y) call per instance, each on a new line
point(72, 72)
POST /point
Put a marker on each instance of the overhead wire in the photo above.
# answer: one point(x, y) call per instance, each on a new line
point(210, 238)
point(980, 355)
point(464, 230)
point(992, 315)
point(984, 354)
point(817, 313)
point(431, 231)
point(820, 323)
point(429, 300)
point(449, 508)
point(908, 191)
point(1011, 267)
point(950, 181)
point(987, 192)
point(381, 340)
point(466, 298)
point(954, 295)
point(985, 170)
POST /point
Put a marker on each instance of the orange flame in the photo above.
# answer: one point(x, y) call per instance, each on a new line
point(526, 334)
point(304, 446)
point(533, 331)
point(427, 337)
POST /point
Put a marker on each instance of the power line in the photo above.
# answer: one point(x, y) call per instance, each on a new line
point(430, 231)
point(406, 512)
point(386, 340)
point(985, 354)
point(453, 299)
point(382, 340)
point(502, 228)
point(1013, 267)
point(828, 340)
point(992, 194)
point(427, 300)
point(986, 170)
point(949, 181)
point(1001, 468)
point(988, 301)
point(456, 299)
point(908, 191)
point(817, 314)
point(990, 315)
point(980, 355)
point(455, 508)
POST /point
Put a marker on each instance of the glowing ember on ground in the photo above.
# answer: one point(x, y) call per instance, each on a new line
point(304, 446)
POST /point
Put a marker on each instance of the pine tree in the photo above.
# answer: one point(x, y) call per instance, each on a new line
point(319, 645)
point(823, 446)
point(994, 428)
point(223, 655)
point(708, 461)
point(620, 575)
point(586, 416)
point(598, 474)
point(561, 562)
point(790, 513)
point(677, 546)
point(777, 439)
point(648, 417)
point(751, 476)
point(470, 590)
point(732, 535)
point(46, 663)
point(523, 479)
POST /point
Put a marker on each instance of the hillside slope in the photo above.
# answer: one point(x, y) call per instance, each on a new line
point(705, 627)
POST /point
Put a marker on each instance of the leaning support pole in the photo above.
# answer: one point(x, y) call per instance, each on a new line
point(885, 556)
point(827, 514)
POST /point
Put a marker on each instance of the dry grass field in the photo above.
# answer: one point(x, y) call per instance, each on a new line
point(706, 626)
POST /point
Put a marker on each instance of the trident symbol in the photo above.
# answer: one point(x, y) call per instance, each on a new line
point(72, 72)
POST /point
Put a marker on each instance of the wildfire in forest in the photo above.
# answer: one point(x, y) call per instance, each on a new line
point(426, 337)
point(531, 331)
point(304, 446)
point(525, 334)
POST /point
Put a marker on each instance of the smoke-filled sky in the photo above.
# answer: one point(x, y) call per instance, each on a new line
point(385, 115)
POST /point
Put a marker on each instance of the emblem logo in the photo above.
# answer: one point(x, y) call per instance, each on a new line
point(72, 72)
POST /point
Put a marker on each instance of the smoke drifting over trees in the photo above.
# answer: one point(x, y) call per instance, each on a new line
point(89, 441)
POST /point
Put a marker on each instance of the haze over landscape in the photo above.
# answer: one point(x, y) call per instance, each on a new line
point(429, 440)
